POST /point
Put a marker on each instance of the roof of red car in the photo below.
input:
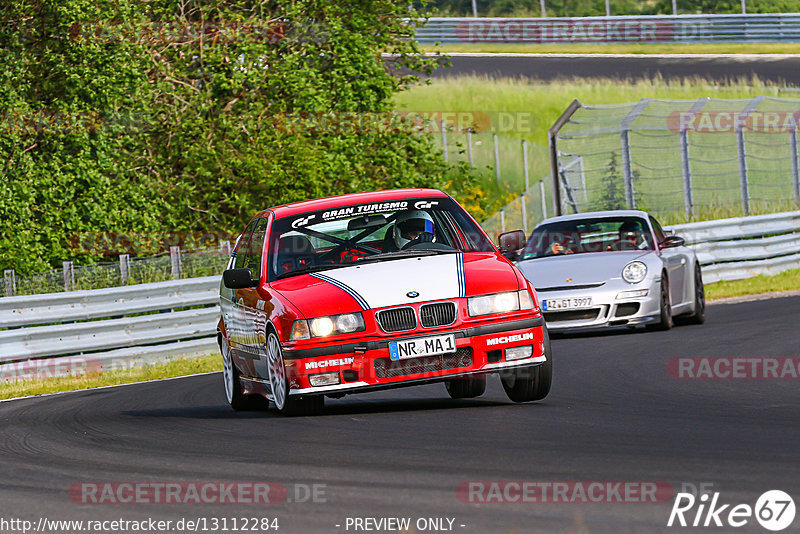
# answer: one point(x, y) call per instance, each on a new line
point(351, 200)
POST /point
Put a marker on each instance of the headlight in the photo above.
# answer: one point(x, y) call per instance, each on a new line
point(345, 323)
point(500, 303)
point(634, 272)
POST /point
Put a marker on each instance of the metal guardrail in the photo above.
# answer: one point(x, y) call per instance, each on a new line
point(741, 247)
point(60, 333)
point(780, 27)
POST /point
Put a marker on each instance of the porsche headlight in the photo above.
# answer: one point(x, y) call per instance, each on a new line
point(345, 323)
point(634, 272)
point(499, 303)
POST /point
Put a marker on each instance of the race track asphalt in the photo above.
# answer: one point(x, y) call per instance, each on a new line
point(780, 69)
point(613, 414)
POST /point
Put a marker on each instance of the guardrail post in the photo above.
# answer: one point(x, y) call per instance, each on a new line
point(469, 147)
point(175, 259)
point(795, 170)
point(444, 140)
point(525, 163)
point(69, 275)
point(524, 214)
point(502, 221)
point(496, 158)
point(124, 268)
point(544, 202)
point(9, 282)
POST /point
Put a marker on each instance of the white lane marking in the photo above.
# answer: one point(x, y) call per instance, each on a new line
point(106, 387)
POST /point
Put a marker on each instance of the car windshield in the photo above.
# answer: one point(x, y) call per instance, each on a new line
point(366, 233)
point(607, 234)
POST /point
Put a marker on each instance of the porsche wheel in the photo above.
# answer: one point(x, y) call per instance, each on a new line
point(466, 388)
point(665, 308)
point(698, 316)
point(233, 387)
point(279, 384)
point(525, 384)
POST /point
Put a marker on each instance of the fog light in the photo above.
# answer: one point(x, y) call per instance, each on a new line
point(324, 379)
point(519, 353)
point(632, 294)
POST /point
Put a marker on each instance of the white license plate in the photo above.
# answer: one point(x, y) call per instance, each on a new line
point(423, 346)
point(567, 304)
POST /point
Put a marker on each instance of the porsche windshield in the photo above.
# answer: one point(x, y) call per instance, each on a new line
point(379, 231)
point(607, 234)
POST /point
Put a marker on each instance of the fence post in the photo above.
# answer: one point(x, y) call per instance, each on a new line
point(69, 275)
point(444, 140)
point(741, 151)
point(175, 258)
point(795, 170)
point(630, 194)
point(687, 174)
point(124, 268)
point(496, 158)
point(10, 282)
point(225, 247)
point(524, 214)
point(502, 221)
point(544, 202)
point(469, 147)
point(525, 162)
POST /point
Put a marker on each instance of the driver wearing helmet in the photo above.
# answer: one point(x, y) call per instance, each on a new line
point(412, 226)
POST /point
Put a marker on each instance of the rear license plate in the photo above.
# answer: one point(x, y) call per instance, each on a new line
point(423, 346)
point(567, 304)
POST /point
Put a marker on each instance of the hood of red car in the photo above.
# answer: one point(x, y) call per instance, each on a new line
point(397, 282)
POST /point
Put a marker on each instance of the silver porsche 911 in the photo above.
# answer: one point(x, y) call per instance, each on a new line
point(611, 269)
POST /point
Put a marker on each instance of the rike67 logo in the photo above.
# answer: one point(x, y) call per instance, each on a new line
point(774, 510)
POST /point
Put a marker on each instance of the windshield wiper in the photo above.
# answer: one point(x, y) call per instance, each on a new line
point(402, 254)
point(311, 269)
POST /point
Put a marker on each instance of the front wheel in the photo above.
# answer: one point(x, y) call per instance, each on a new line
point(279, 384)
point(525, 384)
point(665, 308)
point(466, 388)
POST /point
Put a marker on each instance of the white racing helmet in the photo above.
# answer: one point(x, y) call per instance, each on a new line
point(409, 224)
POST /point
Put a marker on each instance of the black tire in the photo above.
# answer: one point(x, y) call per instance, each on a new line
point(665, 307)
point(466, 388)
point(233, 386)
point(286, 404)
point(698, 316)
point(525, 384)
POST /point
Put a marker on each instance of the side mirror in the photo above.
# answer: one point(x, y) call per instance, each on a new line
point(672, 241)
point(512, 241)
point(238, 279)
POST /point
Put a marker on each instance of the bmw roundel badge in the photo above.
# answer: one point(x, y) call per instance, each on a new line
point(412, 294)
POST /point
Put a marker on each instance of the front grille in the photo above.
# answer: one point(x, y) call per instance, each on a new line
point(626, 309)
point(437, 314)
point(572, 315)
point(388, 368)
point(397, 319)
point(566, 288)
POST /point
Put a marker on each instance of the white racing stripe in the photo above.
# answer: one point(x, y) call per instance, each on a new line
point(387, 283)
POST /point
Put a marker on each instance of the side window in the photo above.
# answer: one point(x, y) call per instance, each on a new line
point(660, 235)
point(255, 248)
point(241, 246)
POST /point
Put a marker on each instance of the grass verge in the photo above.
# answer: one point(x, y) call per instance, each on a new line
point(168, 369)
point(785, 281)
point(660, 48)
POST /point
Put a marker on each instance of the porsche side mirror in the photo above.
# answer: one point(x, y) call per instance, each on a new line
point(238, 279)
point(672, 241)
point(511, 242)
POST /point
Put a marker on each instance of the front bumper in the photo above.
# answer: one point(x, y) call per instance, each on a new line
point(367, 366)
point(607, 310)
